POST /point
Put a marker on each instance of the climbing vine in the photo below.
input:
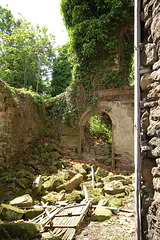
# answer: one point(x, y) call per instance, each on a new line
point(101, 50)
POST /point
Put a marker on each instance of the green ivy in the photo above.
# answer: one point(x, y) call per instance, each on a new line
point(101, 50)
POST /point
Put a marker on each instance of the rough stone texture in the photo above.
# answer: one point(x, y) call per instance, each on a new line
point(79, 168)
point(21, 123)
point(19, 230)
point(10, 213)
point(149, 54)
point(23, 201)
point(118, 104)
point(145, 81)
point(155, 76)
point(150, 120)
point(74, 182)
point(155, 28)
point(101, 214)
point(114, 187)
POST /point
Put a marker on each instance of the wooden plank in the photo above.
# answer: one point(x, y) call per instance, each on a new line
point(44, 222)
point(85, 193)
point(113, 157)
point(66, 215)
point(92, 173)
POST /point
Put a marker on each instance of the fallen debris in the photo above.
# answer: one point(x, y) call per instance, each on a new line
point(62, 221)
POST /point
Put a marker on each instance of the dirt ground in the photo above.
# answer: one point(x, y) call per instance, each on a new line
point(120, 227)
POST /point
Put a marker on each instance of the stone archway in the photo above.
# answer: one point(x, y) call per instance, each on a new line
point(118, 103)
point(84, 125)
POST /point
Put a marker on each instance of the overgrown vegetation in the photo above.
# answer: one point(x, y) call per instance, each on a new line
point(101, 37)
point(100, 52)
point(101, 128)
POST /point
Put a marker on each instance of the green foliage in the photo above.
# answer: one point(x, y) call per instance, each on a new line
point(26, 55)
point(22, 92)
point(62, 71)
point(7, 21)
point(101, 30)
point(101, 49)
point(100, 128)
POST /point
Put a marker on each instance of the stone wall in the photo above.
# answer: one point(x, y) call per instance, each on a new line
point(21, 123)
point(150, 118)
point(118, 104)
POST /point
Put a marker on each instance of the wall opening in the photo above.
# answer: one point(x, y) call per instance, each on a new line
point(97, 138)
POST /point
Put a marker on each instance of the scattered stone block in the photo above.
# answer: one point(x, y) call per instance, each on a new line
point(22, 201)
point(32, 213)
point(19, 230)
point(49, 183)
point(101, 214)
point(99, 185)
point(79, 168)
point(115, 202)
point(101, 172)
point(10, 213)
point(24, 183)
point(51, 198)
point(96, 194)
point(74, 196)
point(74, 182)
point(114, 187)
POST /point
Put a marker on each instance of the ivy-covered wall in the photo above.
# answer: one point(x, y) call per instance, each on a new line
point(101, 49)
point(21, 123)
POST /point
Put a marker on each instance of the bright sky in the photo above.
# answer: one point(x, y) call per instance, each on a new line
point(42, 12)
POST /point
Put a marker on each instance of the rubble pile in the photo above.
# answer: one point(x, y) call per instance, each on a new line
point(52, 176)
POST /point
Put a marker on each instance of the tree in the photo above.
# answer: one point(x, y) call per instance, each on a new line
point(27, 55)
point(62, 71)
point(7, 21)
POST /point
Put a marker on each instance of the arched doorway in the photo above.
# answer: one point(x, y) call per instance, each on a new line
point(84, 123)
point(97, 138)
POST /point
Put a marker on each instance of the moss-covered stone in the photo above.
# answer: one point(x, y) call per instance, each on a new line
point(56, 155)
point(120, 195)
point(24, 183)
point(96, 194)
point(51, 198)
point(75, 196)
point(101, 172)
point(4, 234)
point(19, 230)
point(32, 213)
point(74, 182)
point(59, 165)
point(114, 187)
point(10, 213)
point(115, 202)
point(23, 173)
point(22, 201)
point(49, 183)
point(101, 214)
point(79, 168)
